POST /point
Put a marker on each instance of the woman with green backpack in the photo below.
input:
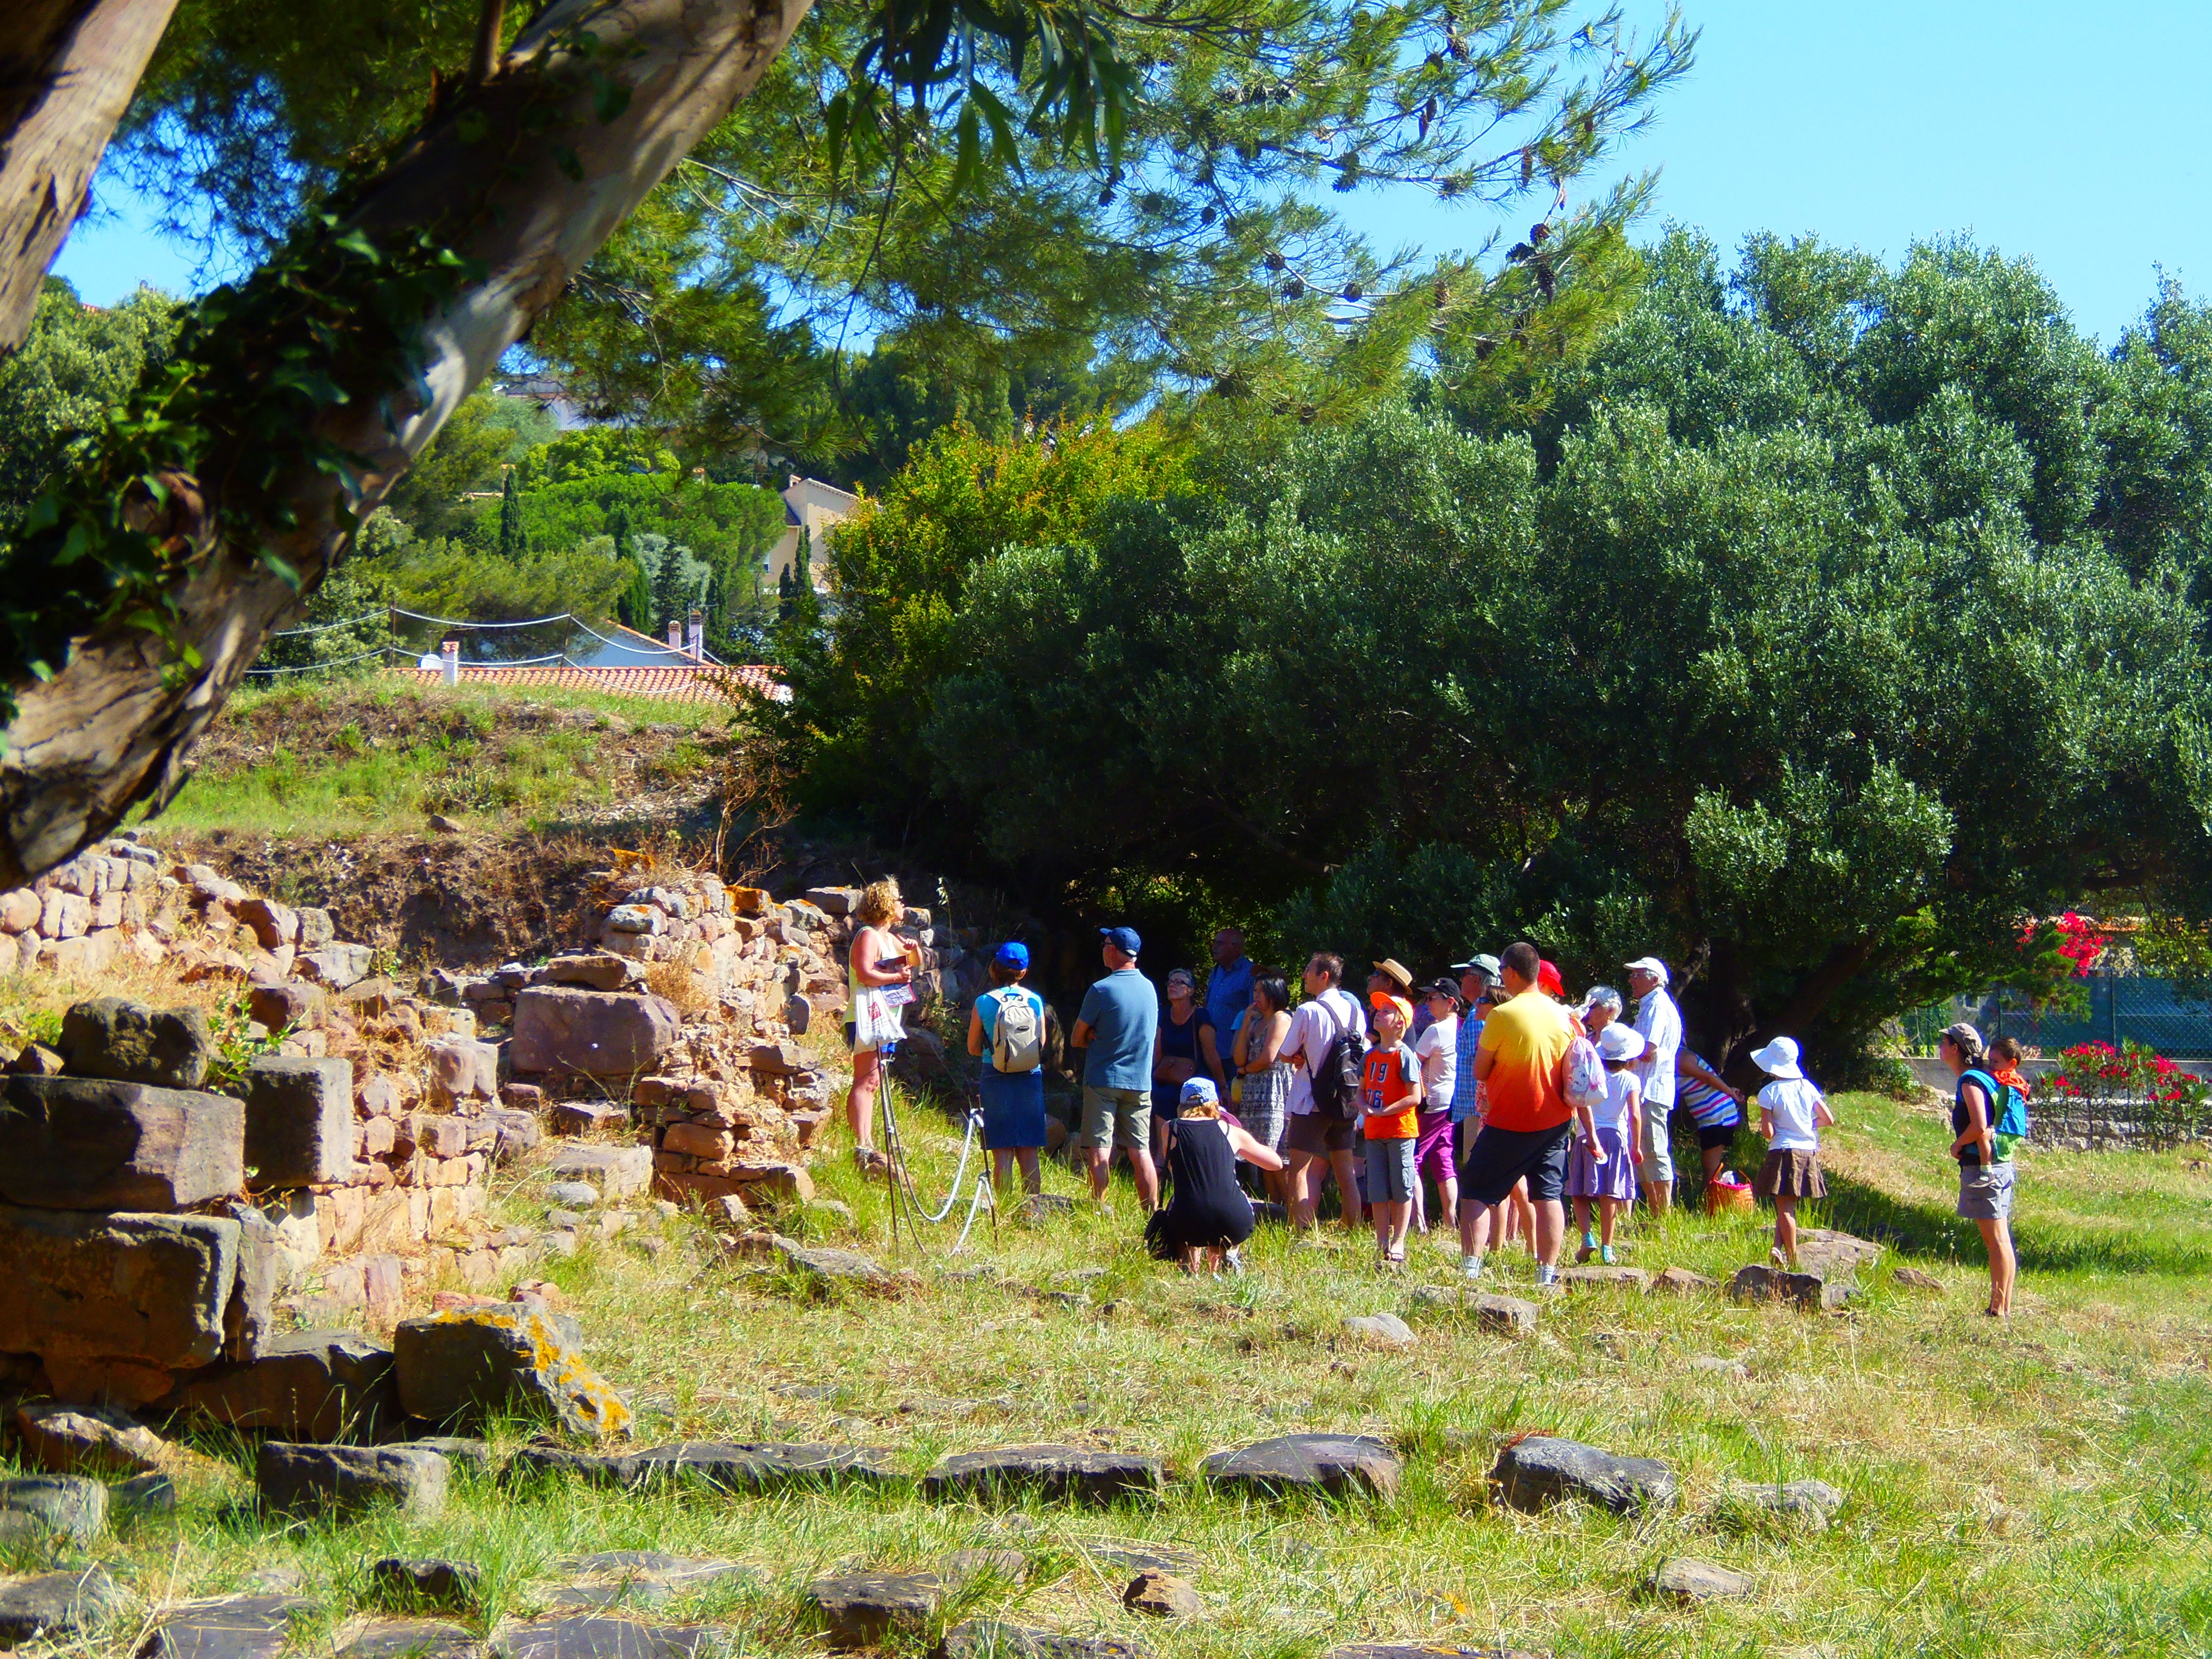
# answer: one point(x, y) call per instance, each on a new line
point(1987, 1117)
point(1005, 1031)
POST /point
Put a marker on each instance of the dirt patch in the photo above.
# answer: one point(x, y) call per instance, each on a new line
point(454, 901)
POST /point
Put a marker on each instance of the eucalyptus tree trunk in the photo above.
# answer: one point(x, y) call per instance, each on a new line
point(527, 170)
point(67, 70)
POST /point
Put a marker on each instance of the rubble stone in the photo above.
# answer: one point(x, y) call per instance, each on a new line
point(115, 1038)
point(314, 1386)
point(456, 1367)
point(95, 1440)
point(294, 1479)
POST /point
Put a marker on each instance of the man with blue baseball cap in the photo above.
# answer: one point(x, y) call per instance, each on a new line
point(1119, 1019)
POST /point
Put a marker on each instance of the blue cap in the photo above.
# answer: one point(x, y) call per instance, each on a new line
point(1013, 954)
point(1199, 1089)
point(1123, 939)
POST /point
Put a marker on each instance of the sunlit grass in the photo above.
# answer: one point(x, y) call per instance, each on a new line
point(2040, 1487)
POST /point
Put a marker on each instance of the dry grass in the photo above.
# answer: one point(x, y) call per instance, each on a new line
point(2039, 1487)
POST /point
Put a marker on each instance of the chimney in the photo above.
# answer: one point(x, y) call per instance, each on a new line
point(674, 634)
point(698, 637)
point(449, 661)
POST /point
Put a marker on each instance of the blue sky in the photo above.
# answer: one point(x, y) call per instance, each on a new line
point(2075, 135)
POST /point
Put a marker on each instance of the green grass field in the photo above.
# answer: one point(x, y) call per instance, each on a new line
point(356, 757)
point(2039, 1488)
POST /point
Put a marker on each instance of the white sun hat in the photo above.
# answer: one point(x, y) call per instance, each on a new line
point(1621, 1042)
point(1778, 1059)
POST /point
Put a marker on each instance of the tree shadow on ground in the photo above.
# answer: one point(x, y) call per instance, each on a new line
point(1931, 1230)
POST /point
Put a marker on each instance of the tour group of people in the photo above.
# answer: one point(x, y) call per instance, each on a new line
point(1516, 1104)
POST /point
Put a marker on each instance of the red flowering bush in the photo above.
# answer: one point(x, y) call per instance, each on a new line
point(2080, 941)
point(2098, 1074)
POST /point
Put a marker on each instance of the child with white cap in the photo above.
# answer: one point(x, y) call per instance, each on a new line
point(1600, 1169)
point(1791, 1114)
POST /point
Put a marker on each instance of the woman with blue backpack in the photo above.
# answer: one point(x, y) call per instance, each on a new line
point(1987, 1118)
point(1005, 1031)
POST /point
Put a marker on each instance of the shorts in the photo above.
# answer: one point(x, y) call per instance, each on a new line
point(1124, 1116)
point(1985, 1190)
point(1432, 1150)
point(1315, 1135)
point(1790, 1175)
point(1658, 1150)
point(1390, 1171)
point(1719, 1136)
point(1501, 1157)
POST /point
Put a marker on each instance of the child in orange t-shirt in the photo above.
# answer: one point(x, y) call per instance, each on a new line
point(2004, 1065)
point(1390, 1096)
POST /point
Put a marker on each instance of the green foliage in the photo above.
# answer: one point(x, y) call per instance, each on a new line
point(1062, 191)
point(511, 541)
point(486, 434)
point(77, 361)
point(112, 537)
point(1782, 641)
point(445, 579)
point(899, 566)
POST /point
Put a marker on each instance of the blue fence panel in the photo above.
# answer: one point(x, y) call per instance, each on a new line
point(2150, 1011)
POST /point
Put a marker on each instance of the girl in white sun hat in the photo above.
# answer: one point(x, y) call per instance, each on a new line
point(1791, 1113)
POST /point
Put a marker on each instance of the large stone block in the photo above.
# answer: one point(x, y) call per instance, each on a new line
point(463, 1365)
point(297, 1480)
point(77, 1143)
point(299, 1120)
point(461, 1068)
point(115, 1037)
point(600, 1033)
point(249, 1319)
point(616, 1171)
point(133, 1293)
point(59, 1608)
point(320, 1386)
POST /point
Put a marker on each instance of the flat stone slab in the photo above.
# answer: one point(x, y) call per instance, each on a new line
point(583, 1637)
point(821, 1264)
point(300, 1480)
point(1680, 1281)
point(232, 1627)
point(1162, 1595)
point(994, 1639)
point(54, 1606)
point(1383, 1330)
point(70, 1504)
point(1809, 1504)
point(1811, 1293)
point(1507, 1314)
point(864, 1609)
point(86, 1439)
point(1542, 1470)
point(1424, 1650)
point(1604, 1277)
point(749, 1468)
point(1689, 1581)
point(1835, 1255)
point(408, 1639)
point(964, 1567)
point(429, 1581)
point(312, 1387)
point(1913, 1279)
point(1337, 1465)
point(1055, 1474)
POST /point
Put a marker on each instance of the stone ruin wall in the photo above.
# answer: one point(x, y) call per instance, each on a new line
point(676, 1034)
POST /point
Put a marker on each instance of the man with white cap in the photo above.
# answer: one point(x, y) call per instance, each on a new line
point(1659, 1024)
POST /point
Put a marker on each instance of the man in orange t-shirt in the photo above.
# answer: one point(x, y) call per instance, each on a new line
point(1528, 1125)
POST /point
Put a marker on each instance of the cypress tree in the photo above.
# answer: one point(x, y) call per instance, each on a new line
point(510, 518)
point(637, 599)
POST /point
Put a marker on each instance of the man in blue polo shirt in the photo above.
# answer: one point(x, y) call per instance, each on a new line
point(1120, 1018)
point(1228, 988)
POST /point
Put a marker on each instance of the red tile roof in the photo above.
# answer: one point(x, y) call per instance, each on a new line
point(676, 684)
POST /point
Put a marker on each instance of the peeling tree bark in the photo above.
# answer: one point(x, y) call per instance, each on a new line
point(114, 726)
point(67, 70)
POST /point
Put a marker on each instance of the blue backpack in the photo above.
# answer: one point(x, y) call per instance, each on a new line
point(2009, 1120)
